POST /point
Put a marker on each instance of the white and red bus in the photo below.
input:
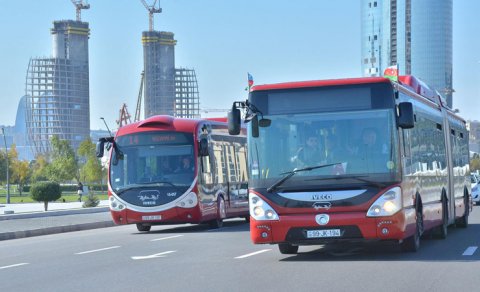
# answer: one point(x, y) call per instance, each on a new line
point(166, 170)
point(353, 160)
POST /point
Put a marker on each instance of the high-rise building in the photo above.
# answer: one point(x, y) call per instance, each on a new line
point(159, 66)
point(20, 138)
point(415, 34)
point(57, 89)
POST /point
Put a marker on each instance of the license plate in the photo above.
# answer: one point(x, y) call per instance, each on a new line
point(150, 218)
point(323, 233)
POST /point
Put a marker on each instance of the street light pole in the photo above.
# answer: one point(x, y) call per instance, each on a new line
point(8, 170)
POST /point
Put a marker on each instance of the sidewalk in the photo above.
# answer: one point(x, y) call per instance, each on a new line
point(29, 219)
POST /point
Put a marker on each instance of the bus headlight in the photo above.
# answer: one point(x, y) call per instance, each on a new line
point(387, 204)
point(115, 205)
point(189, 201)
point(260, 210)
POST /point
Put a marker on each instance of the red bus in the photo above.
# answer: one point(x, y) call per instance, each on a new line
point(166, 170)
point(353, 160)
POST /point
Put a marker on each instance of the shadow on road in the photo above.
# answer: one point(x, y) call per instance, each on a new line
point(431, 249)
point(229, 225)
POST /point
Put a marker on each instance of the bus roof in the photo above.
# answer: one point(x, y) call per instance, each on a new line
point(164, 122)
point(320, 83)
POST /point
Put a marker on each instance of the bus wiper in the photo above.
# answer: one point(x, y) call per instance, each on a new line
point(156, 183)
point(357, 177)
point(142, 185)
point(289, 174)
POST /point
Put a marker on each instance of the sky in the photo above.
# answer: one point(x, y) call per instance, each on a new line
point(274, 40)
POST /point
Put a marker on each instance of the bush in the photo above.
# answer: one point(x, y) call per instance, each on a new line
point(92, 200)
point(45, 192)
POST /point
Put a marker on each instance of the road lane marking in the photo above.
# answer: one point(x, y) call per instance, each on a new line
point(153, 256)
point(168, 237)
point(253, 253)
point(96, 250)
point(470, 250)
point(12, 266)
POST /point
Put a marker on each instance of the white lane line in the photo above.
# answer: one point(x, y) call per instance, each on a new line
point(470, 250)
point(12, 266)
point(96, 250)
point(168, 237)
point(253, 253)
point(157, 255)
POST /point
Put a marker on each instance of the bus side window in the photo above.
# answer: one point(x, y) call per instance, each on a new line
point(206, 169)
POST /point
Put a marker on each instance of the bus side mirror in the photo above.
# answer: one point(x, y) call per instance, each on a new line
point(234, 121)
point(100, 147)
point(203, 148)
point(406, 118)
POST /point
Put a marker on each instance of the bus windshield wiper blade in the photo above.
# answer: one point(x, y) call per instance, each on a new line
point(357, 177)
point(289, 174)
point(156, 183)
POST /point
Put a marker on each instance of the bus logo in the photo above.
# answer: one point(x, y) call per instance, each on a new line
point(322, 205)
point(149, 197)
point(322, 219)
point(321, 197)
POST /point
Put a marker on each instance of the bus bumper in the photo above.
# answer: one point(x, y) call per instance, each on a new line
point(171, 216)
point(353, 226)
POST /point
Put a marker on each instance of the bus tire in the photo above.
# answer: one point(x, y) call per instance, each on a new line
point(442, 230)
point(221, 214)
point(287, 248)
point(412, 243)
point(143, 228)
point(462, 222)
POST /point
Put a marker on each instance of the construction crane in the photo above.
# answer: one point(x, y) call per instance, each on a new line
point(79, 5)
point(151, 10)
point(124, 116)
point(139, 99)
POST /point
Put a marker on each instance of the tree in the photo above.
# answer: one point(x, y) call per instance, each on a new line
point(39, 168)
point(475, 164)
point(45, 192)
point(20, 174)
point(91, 170)
point(63, 166)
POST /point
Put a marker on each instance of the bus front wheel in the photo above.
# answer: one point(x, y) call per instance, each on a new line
point(412, 244)
point(287, 248)
point(221, 214)
point(143, 228)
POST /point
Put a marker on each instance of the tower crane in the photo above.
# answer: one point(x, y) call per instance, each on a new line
point(151, 10)
point(124, 116)
point(79, 5)
point(139, 99)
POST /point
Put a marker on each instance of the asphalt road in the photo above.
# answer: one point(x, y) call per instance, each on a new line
point(194, 258)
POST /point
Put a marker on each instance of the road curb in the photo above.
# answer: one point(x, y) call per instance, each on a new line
point(54, 230)
point(54, 213)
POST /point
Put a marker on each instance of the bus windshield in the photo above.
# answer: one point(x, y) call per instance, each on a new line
point(152, 159)
point(352, 144)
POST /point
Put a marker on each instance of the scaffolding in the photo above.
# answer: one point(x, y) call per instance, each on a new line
point(187, 101)
point(57, 89)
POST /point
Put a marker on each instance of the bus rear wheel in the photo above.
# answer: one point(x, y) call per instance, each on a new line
point(287, 248)
point(221, 214)
point(143, 228)
point(442, 230)
point(463, 221)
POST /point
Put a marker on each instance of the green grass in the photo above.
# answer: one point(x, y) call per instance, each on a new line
point(25, 198)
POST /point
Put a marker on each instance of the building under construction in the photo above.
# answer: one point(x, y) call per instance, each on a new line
point(168, 90)
point(57, 89)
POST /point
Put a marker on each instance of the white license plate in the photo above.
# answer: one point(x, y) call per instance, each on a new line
point(323, 233)
point(150, 218)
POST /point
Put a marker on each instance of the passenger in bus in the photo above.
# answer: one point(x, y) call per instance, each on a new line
point(186, 165)
point(371, 151)
point(310, 154)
